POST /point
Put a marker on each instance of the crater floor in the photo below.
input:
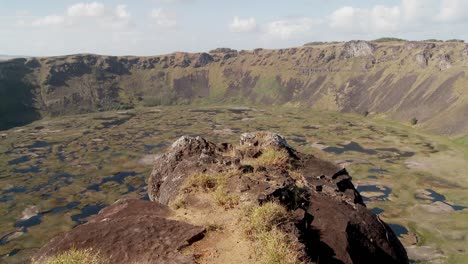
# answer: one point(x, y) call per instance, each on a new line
point(56, 172)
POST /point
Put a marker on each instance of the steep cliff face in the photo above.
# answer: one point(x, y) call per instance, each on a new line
point(402, 80)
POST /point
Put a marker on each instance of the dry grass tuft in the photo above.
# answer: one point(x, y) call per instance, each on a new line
point(275, 248)
point(264, 218)
point(225, 199)
point(74, 256)
point(203, 182)
point(261, 227)
point(214, 183)
point(270, 157)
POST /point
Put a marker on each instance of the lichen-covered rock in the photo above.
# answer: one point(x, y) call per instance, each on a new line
point(129, 231)
point(329, 218)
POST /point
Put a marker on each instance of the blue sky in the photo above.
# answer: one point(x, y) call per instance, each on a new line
point(148, 27)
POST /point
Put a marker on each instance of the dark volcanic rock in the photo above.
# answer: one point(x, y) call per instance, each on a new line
point(130, 231)
point(330, 219)
point(186, 156)
point(202, 60)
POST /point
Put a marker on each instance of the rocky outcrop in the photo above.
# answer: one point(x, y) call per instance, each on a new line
point(327, 218)
point(422, 59)
point(328, 215)
point(358, 48)
point(444, 62)
point(129, 231)
point(203, 59)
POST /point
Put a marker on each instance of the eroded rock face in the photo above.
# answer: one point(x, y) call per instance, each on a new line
point(445, 63)
point(422, 59)
point(203, 59)
point(330, 219)
point(129, 231)
point(358, 48)
point(465, 51)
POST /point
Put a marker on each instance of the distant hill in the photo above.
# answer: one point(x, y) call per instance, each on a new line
point(9, 57)
point(420, 82)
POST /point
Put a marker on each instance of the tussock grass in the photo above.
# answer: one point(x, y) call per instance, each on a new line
point(214, 183)
point(270, 157)
point(203, 182)
point(74, 256)
point(225, 199)
point(264, 218)
point(260, 225)
point(276, 248)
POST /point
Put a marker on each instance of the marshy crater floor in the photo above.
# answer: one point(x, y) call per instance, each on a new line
point(56, 172)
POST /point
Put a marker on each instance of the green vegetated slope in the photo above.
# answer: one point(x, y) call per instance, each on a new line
point(425, 81)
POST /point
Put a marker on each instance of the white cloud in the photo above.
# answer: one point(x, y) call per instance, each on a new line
point(121, 12)
point(93, 9)
point(163, 19)
point(452, 11)
point(384, 18)
point(87, 15)
point(419, 11)
point(358, 20)
point(243, 25)
point(289, 28)
point(48, 21)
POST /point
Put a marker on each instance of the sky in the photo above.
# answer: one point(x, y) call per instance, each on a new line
point(151, 27)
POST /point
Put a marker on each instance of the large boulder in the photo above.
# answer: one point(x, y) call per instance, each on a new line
point(129, 231)
point(330, 219)
point(186, 156)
